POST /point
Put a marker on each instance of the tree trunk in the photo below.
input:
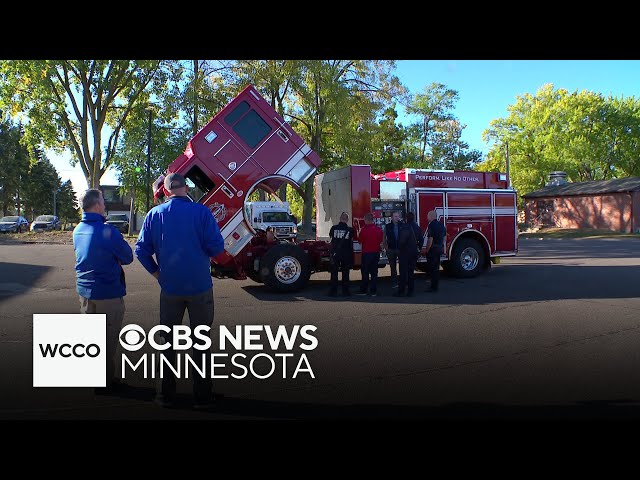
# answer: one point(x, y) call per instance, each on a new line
point(195, 97)
point(282, 192)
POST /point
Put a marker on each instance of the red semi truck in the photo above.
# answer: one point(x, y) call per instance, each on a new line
point(248, 145)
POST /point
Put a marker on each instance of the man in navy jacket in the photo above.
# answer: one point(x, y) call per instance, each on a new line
point(183, 235)
point(100, 253)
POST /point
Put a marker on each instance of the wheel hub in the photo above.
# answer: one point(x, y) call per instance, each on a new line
point(469, 258)
point(287, 270)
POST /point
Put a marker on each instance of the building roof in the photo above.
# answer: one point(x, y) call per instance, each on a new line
point(594, 187)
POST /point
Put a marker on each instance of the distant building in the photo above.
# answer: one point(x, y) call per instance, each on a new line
point(119, 204)
point(604, 204)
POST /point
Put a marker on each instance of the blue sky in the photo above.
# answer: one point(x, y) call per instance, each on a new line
point(485, 88)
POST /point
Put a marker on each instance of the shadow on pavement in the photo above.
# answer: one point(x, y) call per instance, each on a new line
point(19, 278)
point(623, 409)
point(503, 284)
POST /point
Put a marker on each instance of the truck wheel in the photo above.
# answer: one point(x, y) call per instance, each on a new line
point(467, 258)
point(285, 268)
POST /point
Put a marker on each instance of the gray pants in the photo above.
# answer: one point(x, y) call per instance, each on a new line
point(392, 255)
point(114, 309)
point(200, 309)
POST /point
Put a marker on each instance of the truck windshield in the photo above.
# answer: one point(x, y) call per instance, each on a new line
point(276, 217)
point(45, 218)
point(9, 219)
point(117, 218)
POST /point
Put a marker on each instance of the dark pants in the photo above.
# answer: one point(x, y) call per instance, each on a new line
point(392, 255)
point(369, 268)
point(407, 265)
point(433, 265)
point(200, 309)
point(340, 265)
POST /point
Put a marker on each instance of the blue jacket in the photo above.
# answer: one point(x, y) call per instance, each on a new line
point(100, 252)
point(183, 235)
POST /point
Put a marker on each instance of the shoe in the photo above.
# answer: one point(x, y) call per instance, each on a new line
point(346, 294)
point(431, 290)
point(362, 293)
point(395, 285)
point(409, 294)
point(332, 294)
point(398, 294)
point(162, 401)
point(374, 294)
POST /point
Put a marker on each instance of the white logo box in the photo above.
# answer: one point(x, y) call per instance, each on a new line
point(77, 332)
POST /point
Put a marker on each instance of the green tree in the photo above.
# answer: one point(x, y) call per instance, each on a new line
point(14, 167)
point(587, 135)
point(168, 141)
point(79, 106)
point(67, 206)
point(38, 187)
point(389, 143)
point(330, 95)
point(434, 107)
point(195, 91)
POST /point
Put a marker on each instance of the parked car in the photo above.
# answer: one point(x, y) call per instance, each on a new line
point(14, 224)
point(313, 227)
point(120, 221)
point(45, 222)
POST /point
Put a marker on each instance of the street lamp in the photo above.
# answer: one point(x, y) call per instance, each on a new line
point(150, 110)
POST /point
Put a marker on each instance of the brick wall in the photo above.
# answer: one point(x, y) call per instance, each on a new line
point(606, 212)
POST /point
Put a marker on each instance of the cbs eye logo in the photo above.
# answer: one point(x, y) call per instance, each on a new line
point(132, 338)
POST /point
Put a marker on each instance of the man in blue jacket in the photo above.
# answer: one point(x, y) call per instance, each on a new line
point(100, 253)
point(183, 235)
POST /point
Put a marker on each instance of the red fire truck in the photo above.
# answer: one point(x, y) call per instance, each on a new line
point(249, 146)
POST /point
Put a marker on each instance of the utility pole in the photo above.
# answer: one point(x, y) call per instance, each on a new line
point(508, 176)
point(148, 157)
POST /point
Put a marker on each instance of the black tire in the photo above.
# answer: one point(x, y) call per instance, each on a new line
point(285, 268)
point(467, 258)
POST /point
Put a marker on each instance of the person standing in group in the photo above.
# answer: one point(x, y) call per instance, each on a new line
point(409, 242)
point(184, 236)
point(370, 238)
point(341, 254)
point(100, 252)
point(391, 233)
point(433, 247)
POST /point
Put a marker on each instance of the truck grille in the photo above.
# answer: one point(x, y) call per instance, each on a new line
point(283, 229)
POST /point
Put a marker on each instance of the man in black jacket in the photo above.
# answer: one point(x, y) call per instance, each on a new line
point(432, 248)
point(341, 254)
point(409, 243)
point(391, 235)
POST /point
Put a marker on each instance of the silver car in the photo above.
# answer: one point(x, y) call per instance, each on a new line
point(45, 222)
point(14, 224)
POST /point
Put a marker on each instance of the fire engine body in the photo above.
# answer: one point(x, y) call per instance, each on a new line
point(248, 145)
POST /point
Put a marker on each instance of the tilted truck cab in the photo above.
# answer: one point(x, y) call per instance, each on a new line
point(248, 145)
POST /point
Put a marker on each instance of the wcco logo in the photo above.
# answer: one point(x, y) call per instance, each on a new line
point(69, 350)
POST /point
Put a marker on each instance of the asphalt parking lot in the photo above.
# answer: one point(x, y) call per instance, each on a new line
point(553, 332)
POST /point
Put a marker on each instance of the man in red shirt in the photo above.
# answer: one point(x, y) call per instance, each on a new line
point(370, 237)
